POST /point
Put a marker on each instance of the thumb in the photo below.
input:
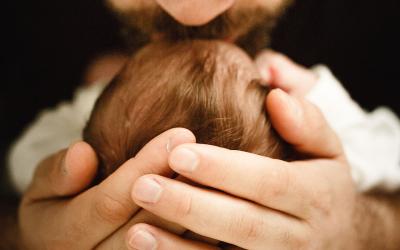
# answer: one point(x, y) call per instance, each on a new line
point(302, 124)
point(281, 72)
point(65, 173)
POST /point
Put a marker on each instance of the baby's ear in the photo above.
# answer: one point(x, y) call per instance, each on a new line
point(281, 72)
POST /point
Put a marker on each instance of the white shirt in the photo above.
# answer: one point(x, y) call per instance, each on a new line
point(371, 140)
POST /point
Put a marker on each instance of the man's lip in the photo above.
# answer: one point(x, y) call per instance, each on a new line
point(195, 12)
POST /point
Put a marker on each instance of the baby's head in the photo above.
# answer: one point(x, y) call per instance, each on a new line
point(209, 87)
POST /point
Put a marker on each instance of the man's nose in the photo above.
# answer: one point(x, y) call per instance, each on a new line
point(195, 12)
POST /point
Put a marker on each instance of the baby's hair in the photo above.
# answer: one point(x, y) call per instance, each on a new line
point(209, 87)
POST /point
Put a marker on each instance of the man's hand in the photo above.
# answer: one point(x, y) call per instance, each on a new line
point(8, 222)
point(57, 214)
point(281, 72)
point(262, 203)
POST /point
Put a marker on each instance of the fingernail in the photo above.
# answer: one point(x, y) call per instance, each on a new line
point(265, 74)
point(143, 240)
point(64, 170)
point(64, 160)
point(173, 142)
point(184, 160)
point(170, 145)
point(292, 103)
point(147, 190)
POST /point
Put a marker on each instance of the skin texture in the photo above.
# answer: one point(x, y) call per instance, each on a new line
point(193, 12)
point(183, 11)
point(57, 209)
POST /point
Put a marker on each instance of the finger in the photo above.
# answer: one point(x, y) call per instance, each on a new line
point(281, 72)
point(302, 124)
point(65, 173)
point(108, 206)
point(214, 214)
point(143, 236)
point(116, 240)
point(268, 182)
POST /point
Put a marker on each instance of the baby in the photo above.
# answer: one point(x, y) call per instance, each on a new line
point(209, 87)
point(212, 89)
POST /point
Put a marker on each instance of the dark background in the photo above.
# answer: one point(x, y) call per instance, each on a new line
point(46, 45)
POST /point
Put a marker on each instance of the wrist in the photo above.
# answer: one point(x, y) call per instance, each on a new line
point(9, 238)
point(377, 221)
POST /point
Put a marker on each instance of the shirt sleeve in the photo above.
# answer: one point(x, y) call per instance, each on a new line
point(371, 140)
point(52, 130)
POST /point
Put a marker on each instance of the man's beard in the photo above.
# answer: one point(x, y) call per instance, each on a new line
point(249, 28)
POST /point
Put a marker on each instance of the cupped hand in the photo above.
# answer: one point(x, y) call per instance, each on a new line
point(61, 211)
point(256, 202)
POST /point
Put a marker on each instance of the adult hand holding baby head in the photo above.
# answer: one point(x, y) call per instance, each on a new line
point(258, 202)
point(55, 213)
point(264, 203)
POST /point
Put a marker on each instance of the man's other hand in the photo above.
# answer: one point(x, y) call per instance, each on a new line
point(61, 211)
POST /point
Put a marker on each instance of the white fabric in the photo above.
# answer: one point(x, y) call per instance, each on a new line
point(371, 140)
point(53, 130)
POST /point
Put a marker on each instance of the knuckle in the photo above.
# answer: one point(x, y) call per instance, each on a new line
point(183, 206)
point(322, 202)
point(247, 228)
point(316, 120)
point(295, 241)
point(275, 184)
point(51, 172)
point(111, 209)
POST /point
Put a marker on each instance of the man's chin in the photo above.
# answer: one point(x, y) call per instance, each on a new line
point(248, 27)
